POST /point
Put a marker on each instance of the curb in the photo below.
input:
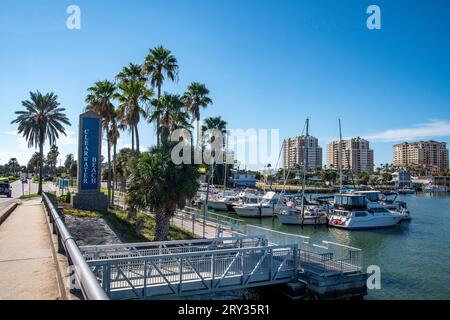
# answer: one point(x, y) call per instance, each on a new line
point(5, 213)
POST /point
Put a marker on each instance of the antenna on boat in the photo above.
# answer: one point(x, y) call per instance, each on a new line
point(340, 157)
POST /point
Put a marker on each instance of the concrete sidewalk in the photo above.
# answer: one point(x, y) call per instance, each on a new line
point(27, 267)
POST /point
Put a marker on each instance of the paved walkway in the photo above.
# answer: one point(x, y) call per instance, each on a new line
point(27, 268)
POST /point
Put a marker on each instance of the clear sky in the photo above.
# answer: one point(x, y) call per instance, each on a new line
point(268, 64)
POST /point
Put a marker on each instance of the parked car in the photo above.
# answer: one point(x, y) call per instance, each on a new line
point(5, 189)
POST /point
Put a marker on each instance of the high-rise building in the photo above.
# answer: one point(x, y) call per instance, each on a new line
point(422, 153)
point(302, 147)
point(355, 155)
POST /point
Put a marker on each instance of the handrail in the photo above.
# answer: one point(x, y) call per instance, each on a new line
point(166, 243)
point(88, 282)
point(292, 247)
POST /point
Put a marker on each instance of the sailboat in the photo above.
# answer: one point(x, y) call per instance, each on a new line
point(305, 215)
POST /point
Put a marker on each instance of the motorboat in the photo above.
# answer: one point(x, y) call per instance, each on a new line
point(223, 200)
point(245, 197)
point(387, 200)
point(267, 207)
point(351, 212)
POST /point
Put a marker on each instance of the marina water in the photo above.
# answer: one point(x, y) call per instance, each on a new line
point(414, 257)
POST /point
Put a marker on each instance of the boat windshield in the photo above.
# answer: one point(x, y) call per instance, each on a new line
point(349, 202)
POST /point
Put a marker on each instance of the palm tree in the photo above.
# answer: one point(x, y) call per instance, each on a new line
point(42, 120)
point(123, 159)
point(159, 64)
point(52, 157)
point(130, 73)
point(99, 100)
point(13, 163)
point(114, 135)
point(133, 98)
point(170, 110)
point(160, 185)
point(35, 162)
point(196, 97)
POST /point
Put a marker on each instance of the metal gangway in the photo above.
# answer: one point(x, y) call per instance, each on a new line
point(179, 268)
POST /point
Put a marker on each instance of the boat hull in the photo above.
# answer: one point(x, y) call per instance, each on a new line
point(365, 224)
point(297, 220)
point(218, 205)
point(254, 212)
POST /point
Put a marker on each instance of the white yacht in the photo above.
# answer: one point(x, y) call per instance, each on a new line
point(245, 197)
point(267, 207)
point(351, 212)
point(222, 200)
point(387, 200)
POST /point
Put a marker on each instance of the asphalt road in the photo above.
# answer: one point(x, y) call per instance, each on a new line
point(30, 187)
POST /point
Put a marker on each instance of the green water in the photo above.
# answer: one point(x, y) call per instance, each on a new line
point(414, 257)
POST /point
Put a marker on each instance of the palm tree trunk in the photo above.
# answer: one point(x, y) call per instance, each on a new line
point(132, 139)
point(41, 163)
point(114, 171)
point(158, 120)
point(109, 170)
point(137, 139)
point(162, 224)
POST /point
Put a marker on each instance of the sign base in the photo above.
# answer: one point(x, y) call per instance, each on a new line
point(92, 201)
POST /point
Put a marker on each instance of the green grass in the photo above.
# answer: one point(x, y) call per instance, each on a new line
point(29, 196)
point(117, 220)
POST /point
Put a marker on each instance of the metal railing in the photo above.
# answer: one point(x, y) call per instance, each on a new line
point(145, 249)
point(196, 272)
point(88, 283)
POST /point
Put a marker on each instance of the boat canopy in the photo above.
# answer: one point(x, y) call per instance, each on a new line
point(350, 201)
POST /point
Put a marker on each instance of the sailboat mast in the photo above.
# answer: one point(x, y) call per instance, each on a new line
point(225, 164)
point(340, 157)
point(304, 167)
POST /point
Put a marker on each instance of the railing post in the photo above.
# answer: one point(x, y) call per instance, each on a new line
point(212, 270)
point(144, 290)
point(180, 275)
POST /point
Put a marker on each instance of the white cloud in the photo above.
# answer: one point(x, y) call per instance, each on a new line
point(431, 129)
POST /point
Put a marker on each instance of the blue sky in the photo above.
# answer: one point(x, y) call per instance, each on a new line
point(268, 64)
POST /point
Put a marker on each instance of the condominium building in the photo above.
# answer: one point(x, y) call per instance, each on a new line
point(422, 153)
point(302, 147)
point(355, 155)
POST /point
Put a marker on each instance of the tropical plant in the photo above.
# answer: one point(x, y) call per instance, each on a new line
point(113, 136)
point(133, 100)
point(123, 159)
point(34, 162)
point(13, 164)
point(196, 97)
point(132, 72)
point(99, 100)
point(156, 183)
point(170, 111)
point(42, 120)
point(52, 157)
point(68, 162)
point(160, 64)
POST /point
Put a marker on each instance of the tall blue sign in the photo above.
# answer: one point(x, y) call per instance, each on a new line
point(90, 154)
point(89, 196)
